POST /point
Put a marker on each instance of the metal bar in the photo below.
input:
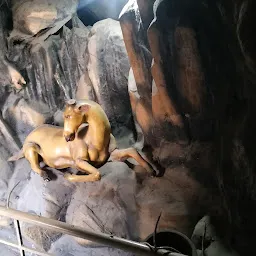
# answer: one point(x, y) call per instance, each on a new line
point(18, 235)
point(65, 228)
point(25, 248)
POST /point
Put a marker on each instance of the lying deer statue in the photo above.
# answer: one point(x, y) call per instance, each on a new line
point(84, 148)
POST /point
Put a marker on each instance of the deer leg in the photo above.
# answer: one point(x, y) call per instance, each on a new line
point(84, 166)
point(124, 154)
point(104, 154)
point(112, 144)
point(93, 153)
point(32, 155)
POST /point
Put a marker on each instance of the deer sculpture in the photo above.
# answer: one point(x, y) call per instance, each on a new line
point(84, 143)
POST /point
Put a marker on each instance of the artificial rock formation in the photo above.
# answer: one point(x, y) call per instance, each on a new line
point(9, 74)
point(24, 115)
point(72, 56)
point(200, 99)
point(189, 95)
point(88, 62)
point(108, 69)
point(32, 17)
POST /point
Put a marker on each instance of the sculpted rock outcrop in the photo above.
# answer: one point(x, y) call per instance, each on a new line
point(92, 63)
point(108, 69)
point(9, 74)
point(24, 115)
point(31, 17)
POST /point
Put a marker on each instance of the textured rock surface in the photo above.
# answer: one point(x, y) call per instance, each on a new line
point(30, 17)
point(6, 173)
point(58, 54)
point(24, 116)
point(42, 101)
point(204, 72)
point(6, 250)
point(68, 247)
point(108, 69)
point(122, 204)
point(172, 197)
point(6, 169)
point(58, 118)
point(92, 62)
point(4, 78)
point(115, 194)
point(48, 199)
point(205, 238)
point(99, 64)
point(9, 74)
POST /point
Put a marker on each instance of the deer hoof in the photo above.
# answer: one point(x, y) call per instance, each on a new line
point(45, 177)
point(151, 172)
point(97, 176)
point(67, 176)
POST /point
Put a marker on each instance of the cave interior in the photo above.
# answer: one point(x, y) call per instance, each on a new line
point(175, 79)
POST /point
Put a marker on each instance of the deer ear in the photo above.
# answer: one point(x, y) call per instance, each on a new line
point(84, 108)
point(71, 102)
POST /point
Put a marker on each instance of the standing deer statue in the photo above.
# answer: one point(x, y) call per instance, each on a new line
point(84, 148)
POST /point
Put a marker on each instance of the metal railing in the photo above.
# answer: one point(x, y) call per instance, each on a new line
point(64, 228)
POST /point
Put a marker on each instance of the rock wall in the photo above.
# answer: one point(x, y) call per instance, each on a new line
point(175, 77)
point(199, 99)
point(81, 62)
point(32, 17)
point(97, 67)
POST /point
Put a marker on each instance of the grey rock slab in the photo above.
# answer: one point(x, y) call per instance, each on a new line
point(67, 246)
point(23, 116)
point(106, 206)
point(48, 199)
point(108, 69)
point(30, 17)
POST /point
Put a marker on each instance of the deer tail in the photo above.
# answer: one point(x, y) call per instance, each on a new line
point(16, 157)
